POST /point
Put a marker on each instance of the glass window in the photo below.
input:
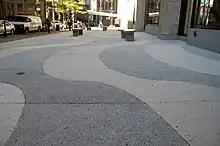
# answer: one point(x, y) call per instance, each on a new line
point(7, 23)
point(17, 19)
point(29, 7)
point(12, 9)
point(153, 11)
point(20, 7)
point(109, 6)
point(209, 14)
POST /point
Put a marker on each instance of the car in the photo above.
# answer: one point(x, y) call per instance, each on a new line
point(57, 23)
point(26, 23)
point(10, 28)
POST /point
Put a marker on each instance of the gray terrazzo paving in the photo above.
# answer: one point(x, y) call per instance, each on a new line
point(92, 125)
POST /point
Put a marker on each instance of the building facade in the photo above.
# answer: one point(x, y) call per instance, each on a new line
point(41, 8)
point(109, 6)
point(5, 7)
point(102, 10)
point(195, 21)
point(29, 7)
point(203, 26)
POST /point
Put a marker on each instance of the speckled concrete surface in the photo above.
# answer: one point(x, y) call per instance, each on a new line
point(92, 125)
point(177, 87)
point(66, 112)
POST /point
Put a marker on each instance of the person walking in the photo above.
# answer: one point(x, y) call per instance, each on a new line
point(100, 24)
point(48, 24)
point(70, 23)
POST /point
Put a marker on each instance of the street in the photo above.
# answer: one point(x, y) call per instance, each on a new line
point(99, 90)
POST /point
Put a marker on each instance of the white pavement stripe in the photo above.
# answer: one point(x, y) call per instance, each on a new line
point(15, 42)
point(17, 50)
point(175, 55)
point(9, 113)
point(10, 94)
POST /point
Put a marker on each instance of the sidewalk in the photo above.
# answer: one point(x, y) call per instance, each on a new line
point(102, 90)
point(10, 38)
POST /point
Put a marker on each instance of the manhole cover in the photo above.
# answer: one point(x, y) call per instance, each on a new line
point(20, 73)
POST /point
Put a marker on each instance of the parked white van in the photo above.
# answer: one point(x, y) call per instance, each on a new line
point(26, 23)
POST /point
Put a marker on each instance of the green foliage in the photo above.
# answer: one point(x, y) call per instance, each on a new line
point(65, 5)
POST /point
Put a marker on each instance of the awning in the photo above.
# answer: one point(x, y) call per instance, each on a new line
point(101, 13)
point(153, 14)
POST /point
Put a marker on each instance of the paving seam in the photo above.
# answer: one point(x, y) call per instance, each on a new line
point(162, 102)
point(89, 103)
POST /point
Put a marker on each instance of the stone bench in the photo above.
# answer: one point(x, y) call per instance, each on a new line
point(77, 31)
point(122, 32)
point(129, 34)
point(104, 28)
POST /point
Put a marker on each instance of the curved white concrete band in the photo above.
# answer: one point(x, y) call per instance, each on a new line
point(13, 51)
point(175, 55)
point(11, 106)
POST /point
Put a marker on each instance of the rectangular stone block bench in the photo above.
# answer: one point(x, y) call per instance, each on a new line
point(129, 34)
point(77, 31)
point(80, 31)
point(104, 28)
point(122, 32)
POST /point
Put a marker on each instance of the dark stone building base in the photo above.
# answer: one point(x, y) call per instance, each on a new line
point(204, 38)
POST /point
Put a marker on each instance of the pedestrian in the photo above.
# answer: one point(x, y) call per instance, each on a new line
point(100, 24)
point(71, 23)
point(48, 24)
point(68, 23)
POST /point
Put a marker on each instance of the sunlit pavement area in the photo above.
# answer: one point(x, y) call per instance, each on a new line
point(98, 89)
point(15, 37)
point(21, 36)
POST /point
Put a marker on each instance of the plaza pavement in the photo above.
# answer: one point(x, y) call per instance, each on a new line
point(100, 90)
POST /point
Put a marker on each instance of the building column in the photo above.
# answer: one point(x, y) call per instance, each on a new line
point(140, 15)
point(121, 13)
point(169, 19)
point(131, 13)
point(126, 13)
point(100, 9)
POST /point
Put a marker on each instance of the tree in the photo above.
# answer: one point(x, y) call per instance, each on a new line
point(61, 6)
point(71, 7)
